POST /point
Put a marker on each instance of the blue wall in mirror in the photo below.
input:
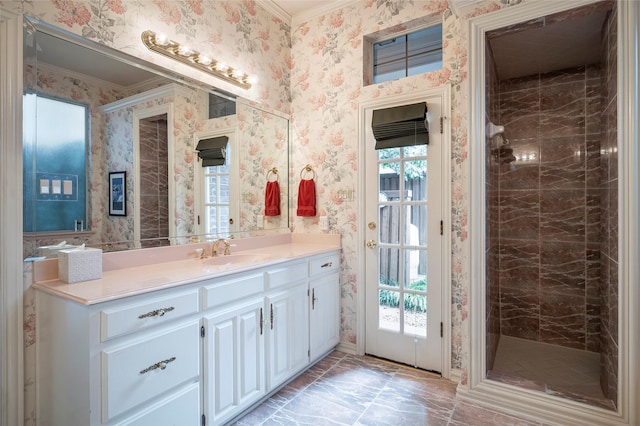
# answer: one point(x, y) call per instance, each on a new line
point(54, 157)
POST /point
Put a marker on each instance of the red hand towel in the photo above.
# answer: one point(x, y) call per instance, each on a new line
point(272, 199)
point(307, 198)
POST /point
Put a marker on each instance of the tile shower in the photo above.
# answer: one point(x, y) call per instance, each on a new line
point(154, 190)
point(552, 206)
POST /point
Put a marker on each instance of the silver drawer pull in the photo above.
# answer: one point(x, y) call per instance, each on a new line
point(158, 365)
point(157, 313)
point(327, 265)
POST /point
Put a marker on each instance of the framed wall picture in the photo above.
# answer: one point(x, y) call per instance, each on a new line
point(118, 194)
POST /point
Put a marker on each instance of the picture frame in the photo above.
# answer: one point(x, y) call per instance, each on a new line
point(117, 193)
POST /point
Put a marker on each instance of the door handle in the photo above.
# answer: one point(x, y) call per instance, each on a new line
point(371, 244)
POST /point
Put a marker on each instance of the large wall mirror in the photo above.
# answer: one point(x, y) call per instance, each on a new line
point(110, 156)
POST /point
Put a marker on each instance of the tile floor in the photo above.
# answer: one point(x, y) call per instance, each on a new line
point(556, 370)
point(344, 389)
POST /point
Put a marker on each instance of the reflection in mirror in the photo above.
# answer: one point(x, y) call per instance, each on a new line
point(146, 122)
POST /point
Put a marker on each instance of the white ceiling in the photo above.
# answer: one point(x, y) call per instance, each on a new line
point(554, 47)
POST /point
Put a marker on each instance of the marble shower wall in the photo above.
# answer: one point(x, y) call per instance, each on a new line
point(552, 214)
point(492, 214)
point(609, 217)
point(154, 175)
point(549, 208)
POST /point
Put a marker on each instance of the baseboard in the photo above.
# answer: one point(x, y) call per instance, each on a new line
point(346, 347)
point(455, 375)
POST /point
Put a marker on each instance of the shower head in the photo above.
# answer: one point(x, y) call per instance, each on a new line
point(493, 130)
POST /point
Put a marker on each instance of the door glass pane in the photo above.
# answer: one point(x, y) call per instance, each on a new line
point(389, 310)
point(389, 259)
point(415, 151)
point(415, 180)
point(415, 314)
point(415, 268)
point(389, 224)
point(416, 189)
point(213, 219)
point(223, 190)
point(211, 189)
point(223, 212)
point(415, 225)
point(389, 182)
point(388, 153)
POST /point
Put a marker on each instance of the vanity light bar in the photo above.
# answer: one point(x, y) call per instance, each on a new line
point(184, 54)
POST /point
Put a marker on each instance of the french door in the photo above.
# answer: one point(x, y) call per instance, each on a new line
point(404, 239)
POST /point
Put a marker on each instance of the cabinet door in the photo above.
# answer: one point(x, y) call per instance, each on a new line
point(325, 314)
point(288, 333)
point(233, 360)
point(181, 408)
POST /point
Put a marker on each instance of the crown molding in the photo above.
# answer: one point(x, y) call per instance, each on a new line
point(458, 5)
point(171, 89)
point(323, 8)
point(273, 8)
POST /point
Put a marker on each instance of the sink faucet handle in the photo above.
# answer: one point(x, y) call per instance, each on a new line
point(201, 253)
point(227, 246)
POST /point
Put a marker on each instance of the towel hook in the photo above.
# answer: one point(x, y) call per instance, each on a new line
point(274, 171)
point(308, 168)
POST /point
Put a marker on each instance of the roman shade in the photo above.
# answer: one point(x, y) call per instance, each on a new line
point(213, 151)
point(400, 126)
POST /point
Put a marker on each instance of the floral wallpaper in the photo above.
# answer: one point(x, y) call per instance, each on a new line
point(239, 33)
point(313, 72)
point(326, 88)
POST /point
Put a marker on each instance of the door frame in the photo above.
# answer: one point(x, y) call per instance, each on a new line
point(417, 96)
point(171, 185)
point(511, 398)
point(11, 262)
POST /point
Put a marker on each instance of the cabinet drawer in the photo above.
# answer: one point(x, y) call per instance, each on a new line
point(140, 371)
point(181, 408)
point(324, 265)
point(288, 274)
point(129, 318)
point(228, 290)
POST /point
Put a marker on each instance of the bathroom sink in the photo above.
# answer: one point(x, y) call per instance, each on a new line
point(232, 259)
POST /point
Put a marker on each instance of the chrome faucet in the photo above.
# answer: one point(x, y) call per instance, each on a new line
point(215, 249)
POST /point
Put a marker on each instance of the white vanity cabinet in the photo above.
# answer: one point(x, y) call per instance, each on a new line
point(324, 301)
point(198, 353)
point(287, 322)
point(120, 362)
point(233, 331)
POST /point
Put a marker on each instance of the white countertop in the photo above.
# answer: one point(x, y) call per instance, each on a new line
point(131, 281)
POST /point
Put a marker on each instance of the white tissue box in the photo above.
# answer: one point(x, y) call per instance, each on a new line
point(52, 251)
point(79, 265)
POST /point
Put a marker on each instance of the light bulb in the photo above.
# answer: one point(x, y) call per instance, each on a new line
point(184, 51)
point(204, 60)
point(162, 39)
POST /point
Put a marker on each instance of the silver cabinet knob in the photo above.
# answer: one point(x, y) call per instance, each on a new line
point(371, 244)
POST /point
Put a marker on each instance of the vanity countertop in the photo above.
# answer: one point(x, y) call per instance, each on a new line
point(134, 280)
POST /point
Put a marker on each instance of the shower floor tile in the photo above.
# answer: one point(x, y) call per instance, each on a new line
point(556, 370)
